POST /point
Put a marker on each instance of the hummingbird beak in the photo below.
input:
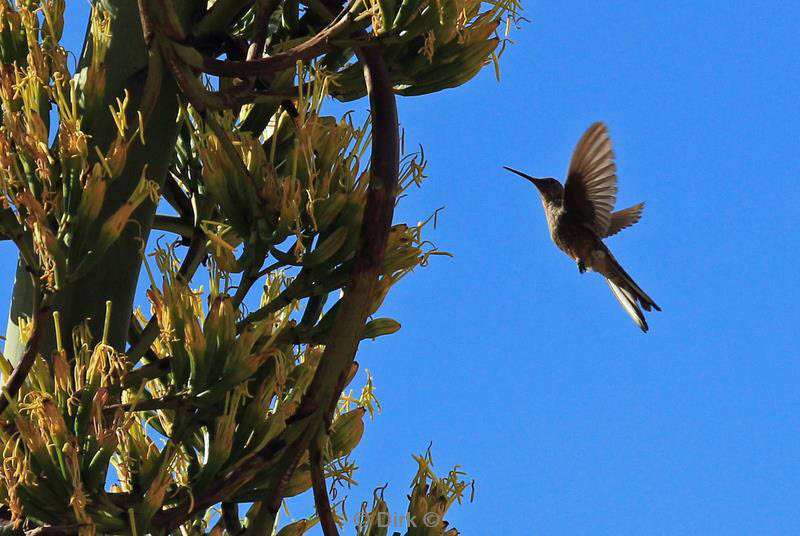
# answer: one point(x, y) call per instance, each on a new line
point(536, 182)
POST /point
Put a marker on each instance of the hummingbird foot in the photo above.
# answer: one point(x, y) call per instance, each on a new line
point(581, 267)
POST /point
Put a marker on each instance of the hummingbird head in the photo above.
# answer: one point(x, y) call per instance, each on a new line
point(550, 190)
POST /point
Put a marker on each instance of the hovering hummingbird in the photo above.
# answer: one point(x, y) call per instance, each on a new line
point(579, 216)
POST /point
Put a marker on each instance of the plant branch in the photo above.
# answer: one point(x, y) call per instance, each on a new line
point(168, 402)
point(245, 284)
point(17, 378)
point(173, 224)
point(357, 301)
point(318, 404)
point(294, 291)
point(321, 500)
point(16, 233)
point(312, 48)
point(177, 198)
point(155, 369)
point(264, 11)
point(230, 516)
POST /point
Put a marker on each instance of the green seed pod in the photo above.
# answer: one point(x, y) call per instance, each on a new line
point(300, 481)
point(326, 210)
point(326, 248)
point(347, 432)
point(379, 327)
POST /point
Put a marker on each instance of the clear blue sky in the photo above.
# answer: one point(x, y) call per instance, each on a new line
point(528, 374)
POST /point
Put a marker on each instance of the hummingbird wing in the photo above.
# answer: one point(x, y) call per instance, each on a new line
point(591, 186)
point(624, 218)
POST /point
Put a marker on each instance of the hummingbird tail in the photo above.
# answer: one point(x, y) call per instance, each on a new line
point(627, 292)
point(620, 277)
point(628, 302)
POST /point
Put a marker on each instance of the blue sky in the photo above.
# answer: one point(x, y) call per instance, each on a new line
point(528, 374)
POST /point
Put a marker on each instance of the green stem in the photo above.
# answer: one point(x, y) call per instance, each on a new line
point(173, 224)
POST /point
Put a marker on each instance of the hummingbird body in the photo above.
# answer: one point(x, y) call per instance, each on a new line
point(579, 216)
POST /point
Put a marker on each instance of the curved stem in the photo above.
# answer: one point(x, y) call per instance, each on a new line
point(321, 500)
point(277, 62)
point(378, 212)
point(316, 408)
point(17, 378)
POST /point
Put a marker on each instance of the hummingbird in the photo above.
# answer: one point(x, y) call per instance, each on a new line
point(579, 217)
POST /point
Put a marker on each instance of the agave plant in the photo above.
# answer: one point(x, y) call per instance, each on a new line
point(206, 123)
